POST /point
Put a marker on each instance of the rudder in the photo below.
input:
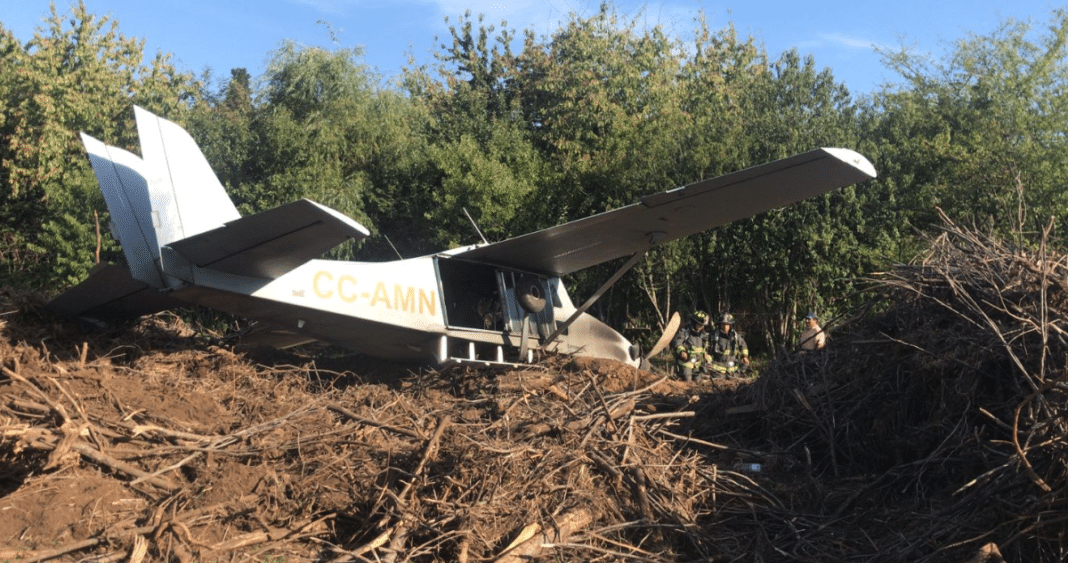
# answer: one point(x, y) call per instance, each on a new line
point(187, 198)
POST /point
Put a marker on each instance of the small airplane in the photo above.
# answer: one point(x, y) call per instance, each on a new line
point(491, 303)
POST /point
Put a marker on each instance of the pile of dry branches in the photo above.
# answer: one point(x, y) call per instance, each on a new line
point(939, 422)
point(143, 445)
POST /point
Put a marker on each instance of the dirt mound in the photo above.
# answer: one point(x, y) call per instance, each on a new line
point(151, 440)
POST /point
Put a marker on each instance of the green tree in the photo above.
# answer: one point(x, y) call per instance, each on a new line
point(221, 122)
point(81, 76)
point(980, 134)
point(481, 157)
point(309, 129)
point(603, 101)
point(10, 246)
point(776, 265)
point(320, 127)
point(716, 83)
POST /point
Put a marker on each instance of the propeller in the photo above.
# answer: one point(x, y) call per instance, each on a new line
point(669, 333)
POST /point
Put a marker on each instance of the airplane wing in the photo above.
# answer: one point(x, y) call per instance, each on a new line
point(271, 243)
point(676, 213)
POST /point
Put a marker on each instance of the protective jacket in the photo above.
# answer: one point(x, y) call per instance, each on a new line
point(727, 350)
point(694, 343)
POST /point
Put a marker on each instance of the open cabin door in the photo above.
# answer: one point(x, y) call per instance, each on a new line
point(472, 295)
point(480, 297)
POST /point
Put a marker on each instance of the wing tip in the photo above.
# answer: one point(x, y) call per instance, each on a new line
point(363, 231)
point(854, 159)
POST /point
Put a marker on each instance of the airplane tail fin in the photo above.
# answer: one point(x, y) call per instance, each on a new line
point(173, 219)
point(187, 198)
point(148, 210)
point(123, 179)
point(171, 215)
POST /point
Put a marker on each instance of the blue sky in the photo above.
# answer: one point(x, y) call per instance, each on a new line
point(223, 34)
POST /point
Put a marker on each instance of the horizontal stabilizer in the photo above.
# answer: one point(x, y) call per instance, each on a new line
point(109, 294)
point(271, 243)
point(676, 213)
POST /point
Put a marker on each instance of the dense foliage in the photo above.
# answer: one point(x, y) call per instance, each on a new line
point(524, 132)
point(79, 75)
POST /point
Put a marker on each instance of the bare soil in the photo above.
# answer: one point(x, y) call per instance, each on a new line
point(153, 442)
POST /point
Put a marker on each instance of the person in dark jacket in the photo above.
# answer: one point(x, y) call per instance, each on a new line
point(727, 348)
point(691, 346)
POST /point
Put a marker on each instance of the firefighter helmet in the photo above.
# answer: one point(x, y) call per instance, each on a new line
point(699, 317)
point(726, 319)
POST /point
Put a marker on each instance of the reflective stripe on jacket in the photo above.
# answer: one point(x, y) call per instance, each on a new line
point(727, 348)
point(693, 343)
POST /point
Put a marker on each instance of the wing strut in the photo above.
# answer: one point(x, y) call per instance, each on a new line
point(593, 298)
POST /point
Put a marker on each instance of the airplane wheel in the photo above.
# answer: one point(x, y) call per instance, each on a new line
point(530, 297)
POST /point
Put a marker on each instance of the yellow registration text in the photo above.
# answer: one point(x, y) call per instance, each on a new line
point(402, 298)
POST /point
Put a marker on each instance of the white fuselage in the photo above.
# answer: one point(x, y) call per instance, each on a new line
point(427, 309)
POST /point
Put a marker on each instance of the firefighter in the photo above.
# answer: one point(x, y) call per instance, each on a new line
point(691, 346)
point(727, 348)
